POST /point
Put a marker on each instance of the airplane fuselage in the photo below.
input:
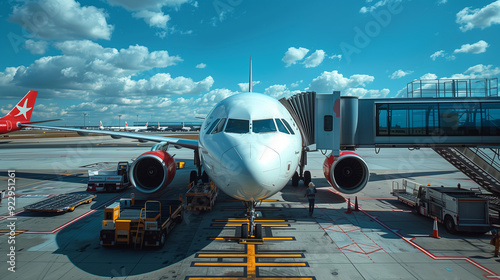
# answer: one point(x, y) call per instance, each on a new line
point(250, 146)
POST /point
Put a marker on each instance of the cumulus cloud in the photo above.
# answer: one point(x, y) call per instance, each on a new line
point(330, 81)
point(36, 47)
point(151, 11)
point(293, 55)
point(399, 74)
point(478, 71)
point(429, 76)
point(244, 86)
point(55, 20)
point(89, 69)
point(279, 91)
point(479, 18)
point(369, 93)
point(479, 47)
point(134, 5)
point(153, 19)
point(378, 4)
point(442, 53)
point(336, 56)
point(201, 66)
point(314, 59)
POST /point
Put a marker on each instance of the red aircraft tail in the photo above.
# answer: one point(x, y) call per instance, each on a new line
point(22, 111)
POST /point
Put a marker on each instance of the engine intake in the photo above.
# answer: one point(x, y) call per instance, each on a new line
point(348, 173)
point(152, 171)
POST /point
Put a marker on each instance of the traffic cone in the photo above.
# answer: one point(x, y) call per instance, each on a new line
point(348, 206)
point(435, 229)
point(356, 207)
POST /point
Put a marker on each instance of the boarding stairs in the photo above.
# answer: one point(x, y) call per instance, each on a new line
point(482, 165)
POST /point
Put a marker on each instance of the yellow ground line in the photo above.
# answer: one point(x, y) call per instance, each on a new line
point(265, 238)
point(246, 255)
point(16, 232)
point(234, 264)
point(246, 220)
point(258, 209)
point(244, 278)
point(237, 225)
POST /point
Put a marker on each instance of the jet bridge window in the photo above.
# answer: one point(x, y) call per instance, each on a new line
point(263, 126)
point(219, 127)
point(281, 126)
point(237, 126)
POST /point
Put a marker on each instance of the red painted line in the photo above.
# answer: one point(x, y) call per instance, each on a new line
point(443, 258)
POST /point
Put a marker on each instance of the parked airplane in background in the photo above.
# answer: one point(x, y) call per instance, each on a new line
point(161, 128)
point(136, 128)
point(20, 114)
point(115, 128)
point(185, 128)
point(250, 146)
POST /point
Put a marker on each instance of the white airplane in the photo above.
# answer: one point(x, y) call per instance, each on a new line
point(136, 128)
point(185, 128)
point(160, 128)
point(102, 127)
point(249, 146)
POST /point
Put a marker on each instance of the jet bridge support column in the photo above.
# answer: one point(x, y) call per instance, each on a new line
point(327, 122)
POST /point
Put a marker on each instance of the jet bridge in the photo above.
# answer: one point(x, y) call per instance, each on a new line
point(440, 114)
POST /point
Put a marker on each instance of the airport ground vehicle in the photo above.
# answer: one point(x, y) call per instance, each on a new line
point(109, 180)
point(458, 209)
point(140, 222)
point(201, 196)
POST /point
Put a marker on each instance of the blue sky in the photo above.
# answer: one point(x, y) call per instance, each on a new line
point(172, 60)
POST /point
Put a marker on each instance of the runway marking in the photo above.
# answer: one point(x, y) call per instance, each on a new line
point(256, 209)
point(238, 225)
point(250, 263)
point(253, 259)
point(17, 232)
point(429, 254)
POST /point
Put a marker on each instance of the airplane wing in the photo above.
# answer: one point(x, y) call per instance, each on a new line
point(186, 143)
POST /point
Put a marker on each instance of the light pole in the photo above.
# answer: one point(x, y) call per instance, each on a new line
point(119, 116)
point(84, 115)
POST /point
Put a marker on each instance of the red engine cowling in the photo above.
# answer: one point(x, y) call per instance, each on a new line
point(152, 171)
point(348, 173)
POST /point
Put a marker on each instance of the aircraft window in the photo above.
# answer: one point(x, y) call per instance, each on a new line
point(213, 125)
point(220, 126)
point(237, 126)
point(263, 126)
point(281, 126)
point(288, 126)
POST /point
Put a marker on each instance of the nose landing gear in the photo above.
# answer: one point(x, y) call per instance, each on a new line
point(251, 232)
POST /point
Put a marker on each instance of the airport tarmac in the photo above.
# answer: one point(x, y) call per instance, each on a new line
point(385, 240)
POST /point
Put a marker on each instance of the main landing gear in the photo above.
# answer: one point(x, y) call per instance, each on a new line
point(251, 230)
point(305, 176)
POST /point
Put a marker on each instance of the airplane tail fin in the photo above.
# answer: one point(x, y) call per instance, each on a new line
point(146, 126)
point(22, 111)
point(126, 125)
point(100, 125)
point(250, 85)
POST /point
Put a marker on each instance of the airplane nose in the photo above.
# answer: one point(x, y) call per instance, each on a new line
point(255, 166)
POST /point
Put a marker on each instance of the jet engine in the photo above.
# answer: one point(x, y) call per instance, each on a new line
point(348, 173)
point(152, 171)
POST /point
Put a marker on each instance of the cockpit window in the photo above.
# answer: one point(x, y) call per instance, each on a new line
point(288, 126)
point(263, 126)
point(281, 126)
point(237, 126)
point(213, 125)
point(220, 126)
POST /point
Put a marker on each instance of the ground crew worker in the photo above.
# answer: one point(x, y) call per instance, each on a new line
point(495, 240)
point(311, 195)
